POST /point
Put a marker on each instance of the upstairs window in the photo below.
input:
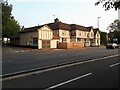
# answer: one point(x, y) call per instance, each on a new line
point(92, 35)
point(73, 33)
point(63, 33)
point(79, 33)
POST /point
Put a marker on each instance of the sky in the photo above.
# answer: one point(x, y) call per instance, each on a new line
point(82, 12)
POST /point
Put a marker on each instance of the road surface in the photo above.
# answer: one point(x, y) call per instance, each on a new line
point(16, 60)
point(96, 68)
point(98, 73)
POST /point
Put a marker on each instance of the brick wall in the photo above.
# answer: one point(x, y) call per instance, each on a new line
point(67, 45)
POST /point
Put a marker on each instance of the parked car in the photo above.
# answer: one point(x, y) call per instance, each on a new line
point(112, 46)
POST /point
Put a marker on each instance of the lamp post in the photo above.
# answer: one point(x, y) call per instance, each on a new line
point(98, 41)
point(98, 21)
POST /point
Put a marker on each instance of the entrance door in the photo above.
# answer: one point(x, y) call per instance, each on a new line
point(45, 43)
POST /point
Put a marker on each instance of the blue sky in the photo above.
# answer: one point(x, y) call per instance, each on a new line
point(83, 12)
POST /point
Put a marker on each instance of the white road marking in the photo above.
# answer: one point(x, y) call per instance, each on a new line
point(74, 79)
point(114, 64)
point(27, 50)
point(53, 68)
point(22, 50)
point(62, 55)
point(10, 61)
point(16, 51)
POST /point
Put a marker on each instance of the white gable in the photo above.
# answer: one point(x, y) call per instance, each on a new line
point(45, 33)
point(45, 28)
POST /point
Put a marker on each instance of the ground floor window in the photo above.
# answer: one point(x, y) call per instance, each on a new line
point(45, 43)
point(86, 40)
point(35, 41)
point(97, 41)
point(64, 39)
point(79, 40)
point(92, 41)
point(83, 40)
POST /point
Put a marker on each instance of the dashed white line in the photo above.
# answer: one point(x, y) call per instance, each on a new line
point(114, 64)
point(27, 50)
point(74, 79)
point(17, 51)
point(22, 51)
point(10, 61)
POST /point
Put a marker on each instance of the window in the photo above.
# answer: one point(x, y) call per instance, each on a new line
point(79, 33)
point(92, 35)
point(63, 33)
point(97, 35)
point(78, 39)
point(64, 39)
point(35, 41)
point(88, 35)
point(84, 34)
point(73, 33)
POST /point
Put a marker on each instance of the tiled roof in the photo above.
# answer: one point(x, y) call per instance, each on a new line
point(78, 27)
point(53, 26)
point(31, 29)
point(90, 27)
point(58, 25)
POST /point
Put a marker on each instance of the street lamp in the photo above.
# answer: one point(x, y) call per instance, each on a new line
point(98, 21)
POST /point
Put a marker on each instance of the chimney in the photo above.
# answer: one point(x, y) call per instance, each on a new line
point(56, 20)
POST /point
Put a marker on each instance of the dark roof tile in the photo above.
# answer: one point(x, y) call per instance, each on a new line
point(31, 29)
point(58, 25)
point(78, 27)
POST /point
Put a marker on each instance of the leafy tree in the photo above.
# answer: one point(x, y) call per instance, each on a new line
point(114, 30)
point(108, 4)
point(103, 38)
point(114, 26)
point(9, 24)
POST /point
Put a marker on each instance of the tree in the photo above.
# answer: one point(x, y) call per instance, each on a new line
point(114, 26)
point(9, 24)
point(108, 4)
point(103, 38)
point(114, 30)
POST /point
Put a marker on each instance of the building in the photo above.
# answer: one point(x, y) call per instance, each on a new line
point(52, 34)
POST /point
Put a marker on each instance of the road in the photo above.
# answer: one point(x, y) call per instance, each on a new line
point(17, 60)
point(95, 73)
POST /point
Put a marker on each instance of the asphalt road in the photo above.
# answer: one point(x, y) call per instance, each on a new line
point(98, 73)
point(21, 59)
